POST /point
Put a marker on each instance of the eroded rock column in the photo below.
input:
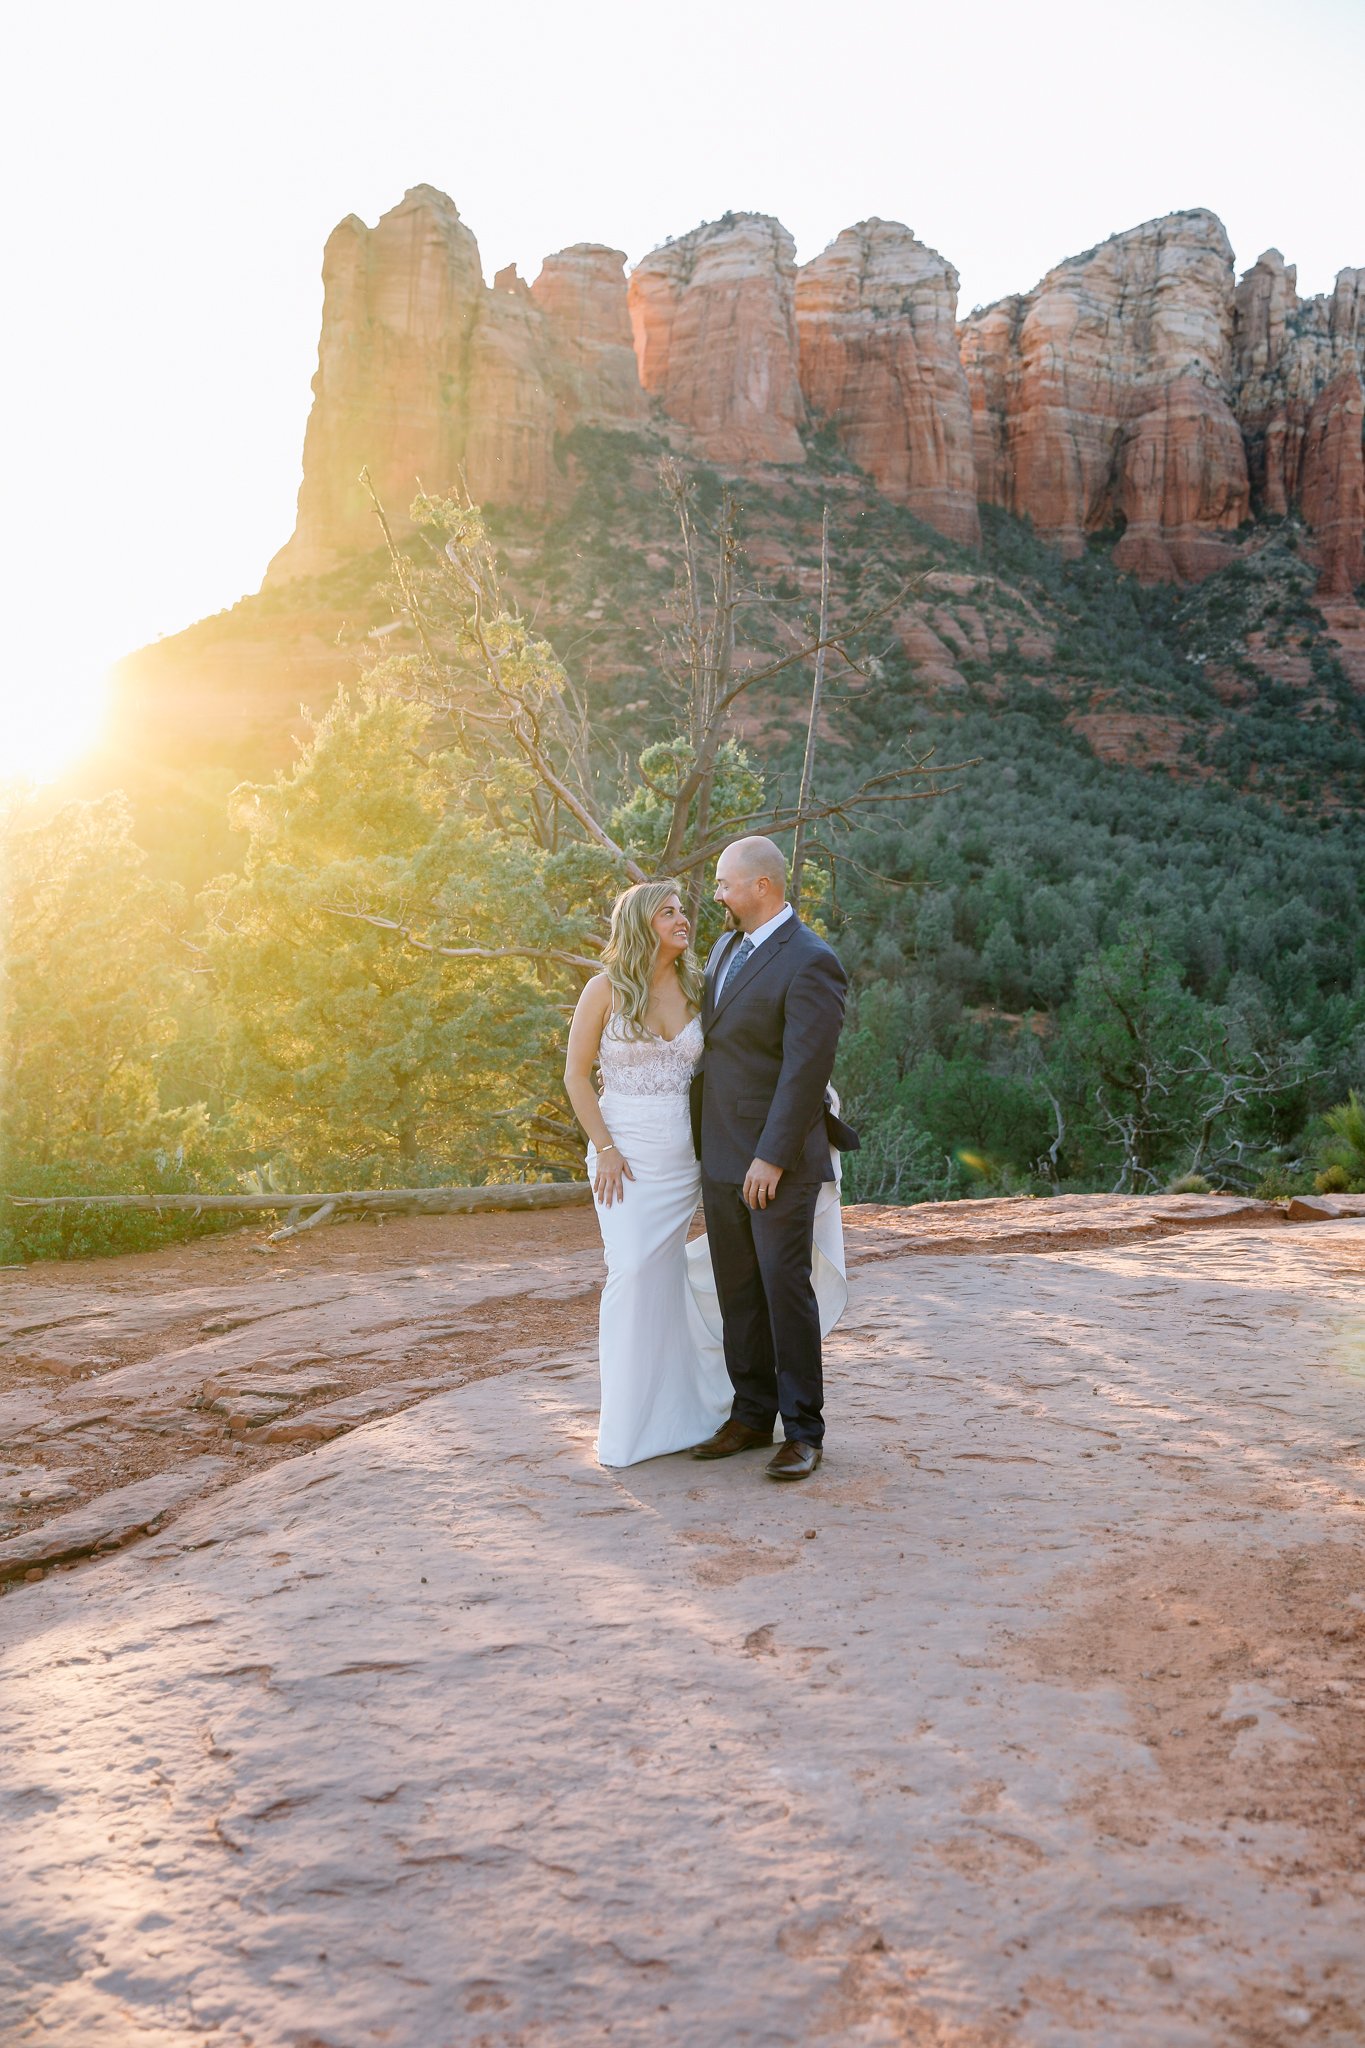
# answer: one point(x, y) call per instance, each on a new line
point(1103, 398)
point(399, 303)
point(582, 293)
point(715, 338)
point(1301, 403)
point(876, 318)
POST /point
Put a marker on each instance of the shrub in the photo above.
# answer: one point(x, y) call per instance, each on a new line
point(94, 1233)
point(1333, 1180)
point(1341, 1150)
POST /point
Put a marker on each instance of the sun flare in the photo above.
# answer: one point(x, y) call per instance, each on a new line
point(47, 730)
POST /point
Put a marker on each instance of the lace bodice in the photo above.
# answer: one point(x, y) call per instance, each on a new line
point(649, 1066)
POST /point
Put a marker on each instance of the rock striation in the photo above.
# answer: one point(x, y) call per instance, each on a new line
point(1103, 399)
point(876, 319)
point(714, 318)
point(1301, 403)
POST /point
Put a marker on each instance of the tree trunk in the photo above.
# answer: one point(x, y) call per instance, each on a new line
point(817, 692)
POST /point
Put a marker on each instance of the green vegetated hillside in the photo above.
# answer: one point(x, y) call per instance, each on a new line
point(1125, 946)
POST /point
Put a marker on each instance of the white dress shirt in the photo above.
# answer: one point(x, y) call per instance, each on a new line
point(765, 931)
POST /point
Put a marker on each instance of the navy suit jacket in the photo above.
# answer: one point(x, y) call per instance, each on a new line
point(770, 1045)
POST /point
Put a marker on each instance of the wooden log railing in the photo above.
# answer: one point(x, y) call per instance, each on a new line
point(327, 1206)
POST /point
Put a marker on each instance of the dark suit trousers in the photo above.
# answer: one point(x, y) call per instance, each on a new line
point(761, 1259)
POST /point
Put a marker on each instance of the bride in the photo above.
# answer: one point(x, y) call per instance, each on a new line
point(664, 1383)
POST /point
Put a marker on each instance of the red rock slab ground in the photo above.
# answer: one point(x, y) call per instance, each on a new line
point(117, 1372)
point(1035, 1717)
point(139, 1382)
point(128, 1386)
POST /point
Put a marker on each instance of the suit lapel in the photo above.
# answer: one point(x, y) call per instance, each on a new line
point(752, 967)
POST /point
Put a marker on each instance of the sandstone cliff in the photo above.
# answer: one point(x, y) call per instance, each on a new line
point(876, 319)
point(424, 372)
point(399, 301)
point(509, 402)
point(1135, 390)
point(715, 338)
point(1301, 403)
point(582, 292)
point(1103, 398)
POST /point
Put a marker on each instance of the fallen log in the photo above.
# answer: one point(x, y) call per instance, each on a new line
point(291, 1227)
point(392, 1201)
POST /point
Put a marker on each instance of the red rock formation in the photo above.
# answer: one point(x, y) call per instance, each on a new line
point(399, 301)
point(1301, 402)
point(876, 319)
point(989, 345)
point(582, 292)
point(1272, 418)
point(423, 372)
point(1333, 494)
point(509, 401)
point(715, 338)
point(1102, 398)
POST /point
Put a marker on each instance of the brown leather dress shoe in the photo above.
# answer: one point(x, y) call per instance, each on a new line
point(795, 1460)
point(731, 1437)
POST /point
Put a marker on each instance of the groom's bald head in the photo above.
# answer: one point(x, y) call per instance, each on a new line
point(754, 857)
point(751, 882)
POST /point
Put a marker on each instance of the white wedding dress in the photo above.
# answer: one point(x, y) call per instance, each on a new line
point(664, 1383)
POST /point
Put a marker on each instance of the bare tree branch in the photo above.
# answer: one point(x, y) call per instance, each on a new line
point(506, 695)
point(400, 567)
point(813, 721)
point(785, 820)
point(558, 954)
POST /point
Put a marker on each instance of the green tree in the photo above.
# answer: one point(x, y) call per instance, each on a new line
point(93, 974)
point(348, 1057)
point(643, 819)
point(1161, 1084)
point(95, 988)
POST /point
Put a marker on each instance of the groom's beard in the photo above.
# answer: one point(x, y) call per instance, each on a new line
point(732, 923)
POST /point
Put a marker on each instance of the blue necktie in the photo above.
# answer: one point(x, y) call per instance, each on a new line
point(737, 960)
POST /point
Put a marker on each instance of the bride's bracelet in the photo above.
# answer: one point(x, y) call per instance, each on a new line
point(607, 1148)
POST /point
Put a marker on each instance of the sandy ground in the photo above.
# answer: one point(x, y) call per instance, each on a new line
point(1037, 1716)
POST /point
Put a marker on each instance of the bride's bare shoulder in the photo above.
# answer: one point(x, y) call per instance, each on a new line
point(595, 1000)
point(591, 1012)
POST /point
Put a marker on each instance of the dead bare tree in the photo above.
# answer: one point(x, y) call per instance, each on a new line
point(1150, 1126)
point(813, 721)
point(711, 681)
point(506, 694)
point(1046, 1166)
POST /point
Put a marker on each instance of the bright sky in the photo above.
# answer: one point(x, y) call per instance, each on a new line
point(172, 172)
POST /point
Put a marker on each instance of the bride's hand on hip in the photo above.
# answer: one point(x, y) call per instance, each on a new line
point(610, 1176)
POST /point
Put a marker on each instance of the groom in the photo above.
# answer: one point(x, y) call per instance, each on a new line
point(772, 1010)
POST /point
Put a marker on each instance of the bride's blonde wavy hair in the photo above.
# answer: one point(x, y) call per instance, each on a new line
point(633, 948)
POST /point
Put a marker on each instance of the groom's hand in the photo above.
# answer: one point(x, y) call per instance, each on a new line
point(760, 1183)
